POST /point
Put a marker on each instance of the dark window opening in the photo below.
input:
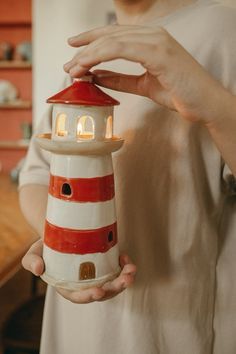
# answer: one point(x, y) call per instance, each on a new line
point(66, 189)
point(87, 271)
point(110, 236)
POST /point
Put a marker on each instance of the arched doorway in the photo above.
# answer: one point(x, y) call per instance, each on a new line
point(87, 271)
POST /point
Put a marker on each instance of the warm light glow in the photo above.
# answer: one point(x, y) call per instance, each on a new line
point(85, 128)
point(109, 128)
point(62, 133)
point(61, 125)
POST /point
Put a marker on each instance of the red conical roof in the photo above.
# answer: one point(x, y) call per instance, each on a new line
point(85, 93)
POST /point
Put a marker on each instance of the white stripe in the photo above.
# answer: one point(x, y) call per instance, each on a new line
point(65, 266)
point(80, 216)
point(81, 166)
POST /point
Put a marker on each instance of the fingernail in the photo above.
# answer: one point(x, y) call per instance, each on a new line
point(103, 75)
point(67, 65)
point(71, 39)
point(98, 296)
point(74, 71)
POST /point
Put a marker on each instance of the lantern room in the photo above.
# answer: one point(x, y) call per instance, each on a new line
point(82, 112)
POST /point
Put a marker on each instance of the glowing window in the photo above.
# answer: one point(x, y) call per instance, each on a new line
point(109, 128)
point(85, 128)
point(61, 125)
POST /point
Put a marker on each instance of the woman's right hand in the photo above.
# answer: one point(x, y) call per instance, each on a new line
point(33, 262)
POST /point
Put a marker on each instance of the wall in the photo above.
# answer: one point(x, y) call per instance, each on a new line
point(55, 21)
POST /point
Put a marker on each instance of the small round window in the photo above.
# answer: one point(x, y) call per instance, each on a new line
point(110, 236)
point(66, 189)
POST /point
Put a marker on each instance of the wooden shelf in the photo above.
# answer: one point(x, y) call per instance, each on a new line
point(14, 145)
point(15, 24)
point(15, 28)
point(15, 64)
point(15, 235)
point(17, 104)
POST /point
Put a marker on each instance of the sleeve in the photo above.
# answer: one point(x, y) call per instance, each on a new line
point(221, 63)
point(36, 166)
point(217, 49)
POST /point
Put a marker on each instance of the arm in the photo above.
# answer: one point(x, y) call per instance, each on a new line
point(33, 202)
point(172, 78)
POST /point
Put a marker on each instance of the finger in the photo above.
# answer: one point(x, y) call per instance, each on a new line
point(127, 265)
point(67, 66)
point(116, 286)
point(72, 64)
point(138, 35)
point(117, 81)
point(32, 260)
point(121, 36)
point(120, 283)
point(123, 281)
point(82, 296)
point(130, 42)
point(89, 36)
point(139, 45)
point(111, 50)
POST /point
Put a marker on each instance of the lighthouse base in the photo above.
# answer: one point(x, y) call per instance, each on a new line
point(80, 285)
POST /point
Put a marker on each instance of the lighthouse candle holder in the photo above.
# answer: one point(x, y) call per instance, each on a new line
point(80, 240)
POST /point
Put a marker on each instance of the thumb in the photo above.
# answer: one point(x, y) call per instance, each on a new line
point(117, 81)
point(32, 260)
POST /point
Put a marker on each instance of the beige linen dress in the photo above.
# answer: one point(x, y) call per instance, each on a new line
point(174, 218)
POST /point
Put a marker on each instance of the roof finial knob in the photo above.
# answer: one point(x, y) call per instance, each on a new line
point(87, 77)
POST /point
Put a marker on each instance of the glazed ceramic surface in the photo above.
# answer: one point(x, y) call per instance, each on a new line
point(80, 239)
point(81, 229)
point(72, 116)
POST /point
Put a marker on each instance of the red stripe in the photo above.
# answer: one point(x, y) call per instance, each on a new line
point(80, 241)
point(97, 189)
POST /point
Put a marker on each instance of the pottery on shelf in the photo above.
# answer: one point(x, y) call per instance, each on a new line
point(8, 92)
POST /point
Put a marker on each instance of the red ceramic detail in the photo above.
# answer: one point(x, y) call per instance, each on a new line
point(80, 241)
point(85, 94)
point(98, 189)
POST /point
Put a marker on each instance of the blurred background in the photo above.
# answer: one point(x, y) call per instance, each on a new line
point(33, 49)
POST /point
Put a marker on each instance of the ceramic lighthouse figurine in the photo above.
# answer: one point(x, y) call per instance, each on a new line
point(80, 239)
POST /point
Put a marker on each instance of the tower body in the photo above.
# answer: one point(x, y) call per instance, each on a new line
point(80, 240)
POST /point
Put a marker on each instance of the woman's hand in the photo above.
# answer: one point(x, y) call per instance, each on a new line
point(33, 262)
point(172, 77)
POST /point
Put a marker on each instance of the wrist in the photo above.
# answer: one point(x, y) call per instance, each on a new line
point(220, 109)
point(223, 127)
